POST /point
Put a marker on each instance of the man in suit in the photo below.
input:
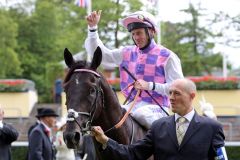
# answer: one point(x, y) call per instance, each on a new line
point(8, 134)
point(182, 136)
point(39, 110)
point(40, 145)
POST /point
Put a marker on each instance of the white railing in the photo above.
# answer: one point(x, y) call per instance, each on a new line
point(20, 144)
point(232, 143)
point(228, 131)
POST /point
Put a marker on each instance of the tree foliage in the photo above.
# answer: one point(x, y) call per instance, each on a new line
point(231, 24)
point(35, 33)
point(191, 42)
point(9, 61)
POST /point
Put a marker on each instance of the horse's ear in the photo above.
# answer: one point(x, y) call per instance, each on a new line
point(97, 58)
point(68, 58)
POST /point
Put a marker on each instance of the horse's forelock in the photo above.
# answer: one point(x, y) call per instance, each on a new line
point(77, 65)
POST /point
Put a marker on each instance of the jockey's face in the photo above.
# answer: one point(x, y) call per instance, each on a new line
point(140, 37)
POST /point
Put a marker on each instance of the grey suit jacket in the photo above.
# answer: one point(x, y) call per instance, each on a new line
point(40, 146)
point(8, 134)
point(200, 142)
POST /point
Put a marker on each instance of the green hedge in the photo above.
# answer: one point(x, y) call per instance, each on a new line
point(19, 153)
point(216, 83)
point(202, 83)
point(233, 153)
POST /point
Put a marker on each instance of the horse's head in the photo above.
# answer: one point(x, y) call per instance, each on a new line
point(84, 96)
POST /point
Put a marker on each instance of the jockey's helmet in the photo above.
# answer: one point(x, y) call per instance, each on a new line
point(140, 19)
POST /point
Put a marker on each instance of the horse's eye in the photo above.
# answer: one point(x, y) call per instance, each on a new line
point(92, 80)
point(92, 90)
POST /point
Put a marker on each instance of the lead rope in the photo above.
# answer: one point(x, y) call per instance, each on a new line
point(119, 124)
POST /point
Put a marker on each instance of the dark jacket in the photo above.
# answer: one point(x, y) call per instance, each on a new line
point(32, 127)
point(40, 146)
point(8, 134)
point(200, 142)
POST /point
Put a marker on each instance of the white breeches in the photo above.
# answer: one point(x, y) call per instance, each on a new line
point(145, 113)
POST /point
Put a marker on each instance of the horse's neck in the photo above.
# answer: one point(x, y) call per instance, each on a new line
point(112, 108)
point(112, 114)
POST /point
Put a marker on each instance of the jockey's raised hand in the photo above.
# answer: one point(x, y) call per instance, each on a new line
point(94, 18)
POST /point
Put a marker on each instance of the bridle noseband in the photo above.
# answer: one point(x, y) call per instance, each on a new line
point(73, 115)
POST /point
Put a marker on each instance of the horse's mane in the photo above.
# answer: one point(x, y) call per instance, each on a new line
point(76, 65)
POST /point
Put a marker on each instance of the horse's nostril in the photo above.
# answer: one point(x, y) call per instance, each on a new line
point(77, 137)
point(72, 139)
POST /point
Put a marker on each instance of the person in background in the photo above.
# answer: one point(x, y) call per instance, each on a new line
point(184, 135)
point(36, 123)
point(63, 153)
point(40, 142)
point(8, 134)
point(39, 110)
point(58, 91)
point(154, 66)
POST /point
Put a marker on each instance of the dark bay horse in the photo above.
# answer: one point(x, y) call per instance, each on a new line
point(91, 102)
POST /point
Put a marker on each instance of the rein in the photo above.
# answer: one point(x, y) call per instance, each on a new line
point(130, 74)
point(73, 115)
point(119, 124)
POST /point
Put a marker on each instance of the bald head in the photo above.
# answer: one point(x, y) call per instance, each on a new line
point(181, 93)
point(186, 84)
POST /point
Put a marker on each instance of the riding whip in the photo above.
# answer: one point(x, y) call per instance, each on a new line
point(130, 74)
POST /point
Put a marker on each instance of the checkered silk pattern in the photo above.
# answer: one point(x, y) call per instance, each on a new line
point(181, 129)
point(149, 65)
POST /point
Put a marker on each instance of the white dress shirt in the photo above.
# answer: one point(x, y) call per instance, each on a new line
point(188, 116)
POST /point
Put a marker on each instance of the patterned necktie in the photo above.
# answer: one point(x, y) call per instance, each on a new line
point(181, 129)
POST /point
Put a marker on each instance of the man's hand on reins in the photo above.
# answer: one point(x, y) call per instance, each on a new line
point(99, 135)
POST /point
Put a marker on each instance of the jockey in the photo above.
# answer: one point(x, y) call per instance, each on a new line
point(154, 66)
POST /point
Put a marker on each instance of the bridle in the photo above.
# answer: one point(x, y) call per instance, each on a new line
point(73, 115)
